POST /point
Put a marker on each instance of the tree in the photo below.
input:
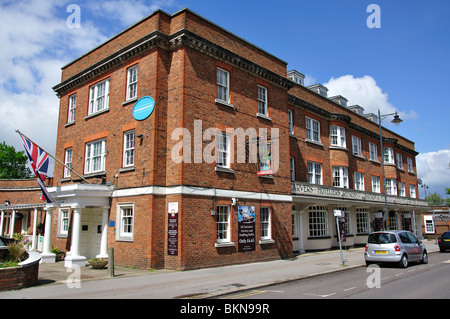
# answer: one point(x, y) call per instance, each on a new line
point(13, 163)
point(436, 200)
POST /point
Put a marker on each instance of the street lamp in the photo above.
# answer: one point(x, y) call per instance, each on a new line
point(397, 120)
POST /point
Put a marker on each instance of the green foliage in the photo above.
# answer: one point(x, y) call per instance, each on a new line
point(16, 251)
point(13, 163)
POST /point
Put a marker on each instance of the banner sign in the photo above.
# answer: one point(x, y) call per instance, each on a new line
point(172, 231)
point(265, 159)
point(246, 231)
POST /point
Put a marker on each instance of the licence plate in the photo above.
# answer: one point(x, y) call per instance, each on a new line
point(381, 252)
point(446, 239)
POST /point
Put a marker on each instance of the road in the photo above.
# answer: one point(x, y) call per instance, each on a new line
point(417, 281)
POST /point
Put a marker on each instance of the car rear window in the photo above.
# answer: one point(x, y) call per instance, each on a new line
point(446, 235)
point(382, 238)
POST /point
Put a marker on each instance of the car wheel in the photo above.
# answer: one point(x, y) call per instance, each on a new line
point(424, 259)
point(404, 262)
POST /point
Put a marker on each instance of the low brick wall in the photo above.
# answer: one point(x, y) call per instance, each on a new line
point(22, 276)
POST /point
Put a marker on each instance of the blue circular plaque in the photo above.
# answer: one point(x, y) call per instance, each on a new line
point(143, 108)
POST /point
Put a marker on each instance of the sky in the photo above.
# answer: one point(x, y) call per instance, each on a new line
point(392, 57)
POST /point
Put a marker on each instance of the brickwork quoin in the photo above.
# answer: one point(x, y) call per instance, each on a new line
point(250, 144)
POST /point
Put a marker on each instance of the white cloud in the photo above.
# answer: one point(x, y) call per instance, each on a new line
point(365, 92)
point(127, 12)
point(434, 170)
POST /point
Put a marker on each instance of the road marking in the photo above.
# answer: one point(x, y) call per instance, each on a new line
point(399, 274)
point(446, 262)
point(348, 289)
point(247, 294)
point(318, 295)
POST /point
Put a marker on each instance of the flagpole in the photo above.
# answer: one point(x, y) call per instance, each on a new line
point(20, 133)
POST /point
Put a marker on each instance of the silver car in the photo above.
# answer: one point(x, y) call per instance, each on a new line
point(399, 246)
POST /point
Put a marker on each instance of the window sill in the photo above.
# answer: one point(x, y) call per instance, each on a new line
point(69, 124)
point(95, 174)
point(227, 244)
point(224, 170)
point(264, 116)
point(129, 101)
point(224, 103)
point(126, 169)
point(96, 113)
point(266, 241)
point(314, 142)
point(339, 148)
point(359, 157)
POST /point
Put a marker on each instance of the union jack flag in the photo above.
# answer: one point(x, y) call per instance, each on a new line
point(39, 162)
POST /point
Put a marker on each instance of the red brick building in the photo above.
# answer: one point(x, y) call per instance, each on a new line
point(197, 149)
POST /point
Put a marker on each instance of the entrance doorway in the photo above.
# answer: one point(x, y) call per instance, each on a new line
point(297, 233)
point(91, 232)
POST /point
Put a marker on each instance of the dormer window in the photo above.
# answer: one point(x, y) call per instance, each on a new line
point(320, 89)
point(296, 77)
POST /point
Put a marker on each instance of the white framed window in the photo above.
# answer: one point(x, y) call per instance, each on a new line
point(318, 221)
point(128, 149)
point(362, 221)
point(359, 181)
point(312, 130)
point(376, 184)
point(125, 222)
point(373, 151)
point(223, 150)
point(95, 157)
point(223, 224)
point(389, 155)
point(291, 122)
point(409, 160)
point(132, 82)
point(314, 173)
point(348, 223)
point(399, 158)
point(68, 162)
point(263, 104)
point(292, 167)
point(72, 106)
point(401, 189)
point(63, 222)
point(393, 220)
point(340, 176)
point(266, 232)
point(99, 97)
point(391, 186)
point(337, 136)
point(429, 224)
point(356, 146)
point(223, 85)
point(412, 191)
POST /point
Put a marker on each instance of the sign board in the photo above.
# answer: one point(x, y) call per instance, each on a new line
point(338, 213)
point(246, 230)
point(143, 108)
point(172, 229)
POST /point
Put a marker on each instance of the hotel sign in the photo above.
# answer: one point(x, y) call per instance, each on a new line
point(328, 192)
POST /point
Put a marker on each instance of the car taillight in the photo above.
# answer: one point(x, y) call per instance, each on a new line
point(440, 240)
point(367, 245)
point(397, 247)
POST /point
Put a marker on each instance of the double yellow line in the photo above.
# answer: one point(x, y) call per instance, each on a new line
point(246, 294)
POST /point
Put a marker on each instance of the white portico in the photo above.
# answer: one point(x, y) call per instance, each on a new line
point(82, 212)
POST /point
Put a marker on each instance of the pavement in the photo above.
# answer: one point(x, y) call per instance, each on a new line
point(55, 279)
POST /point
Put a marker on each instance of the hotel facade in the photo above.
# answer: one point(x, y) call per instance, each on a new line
point(196, 148)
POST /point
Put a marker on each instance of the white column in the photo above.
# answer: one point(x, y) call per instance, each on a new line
point(2, 216)
point(34, 239)
point(104, 239)
point(12, 223)
point(74, 260)
point(47, 256)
